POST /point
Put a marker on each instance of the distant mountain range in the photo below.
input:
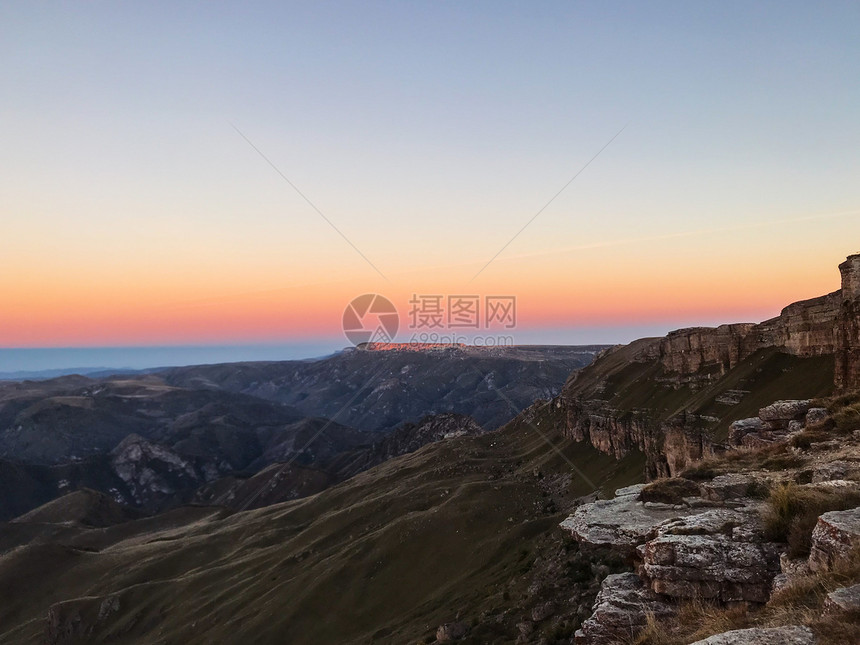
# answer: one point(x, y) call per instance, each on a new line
point(378, 390)
point(43, 375)
point(155, 439)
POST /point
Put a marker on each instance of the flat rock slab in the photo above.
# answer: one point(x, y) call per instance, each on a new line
point(621, 524)
point(844, 599)
point(769, 636)
point(834, 539)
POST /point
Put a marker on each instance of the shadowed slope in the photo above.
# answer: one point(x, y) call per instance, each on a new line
point(386, 556)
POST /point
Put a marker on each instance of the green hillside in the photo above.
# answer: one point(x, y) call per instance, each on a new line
point(460, 528)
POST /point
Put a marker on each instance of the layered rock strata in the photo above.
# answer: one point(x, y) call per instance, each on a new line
point(825, 325)
point(709, 546)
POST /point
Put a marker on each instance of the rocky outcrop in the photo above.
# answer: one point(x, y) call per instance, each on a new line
point(805, 328)
point(610, 432)
point(153, 473)
point(825, 325)
point(688, 351)
point(848, 336)
point(703, 548)
point(774, 424)
point(763, 636)
point(621, 611)
point(683, 440)
point(621, 523)
point(709, 546)
point(600, 405)
point(779, 414)
point(669, 446)
point(719, 554)
point(835, 539)
point(746, 431)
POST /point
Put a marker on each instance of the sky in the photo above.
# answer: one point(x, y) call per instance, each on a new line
point(233, 174)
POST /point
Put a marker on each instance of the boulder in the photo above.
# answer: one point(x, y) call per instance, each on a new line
point(763, 440)
point(719, 554)
point(450, 632)
point(795, 427)
point(784, 411)
point(739, 429)
point(816, 415)
point(757, 433)
point(763, 636)
point(844, 599)
point(621, 610)
point(835, 538)
point(635, 490)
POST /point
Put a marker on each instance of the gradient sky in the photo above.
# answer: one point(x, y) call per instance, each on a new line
point(133, 213)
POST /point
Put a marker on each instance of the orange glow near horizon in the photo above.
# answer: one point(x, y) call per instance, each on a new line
point(583, 290)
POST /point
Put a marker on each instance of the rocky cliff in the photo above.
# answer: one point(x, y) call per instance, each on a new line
point(805, 328)
point(673, 398)
point(819, 326)
point(848, 335)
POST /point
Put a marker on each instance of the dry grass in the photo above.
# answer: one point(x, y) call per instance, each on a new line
point(811, 435)
point(776, 457)
point(783, 461)
point(847, 419)
point(701, 619)
point(654, 633)
point(670, 491)
point(793, 511)
point(695, 620)
point(802, 602)
point(845, 412)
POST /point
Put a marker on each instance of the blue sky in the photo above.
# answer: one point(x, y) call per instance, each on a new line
point(429, 133)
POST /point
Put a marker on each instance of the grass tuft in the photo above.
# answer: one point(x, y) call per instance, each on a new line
point(794, 510)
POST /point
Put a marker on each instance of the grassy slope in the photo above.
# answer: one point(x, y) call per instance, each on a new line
point(384, 557)
point(768, 375)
